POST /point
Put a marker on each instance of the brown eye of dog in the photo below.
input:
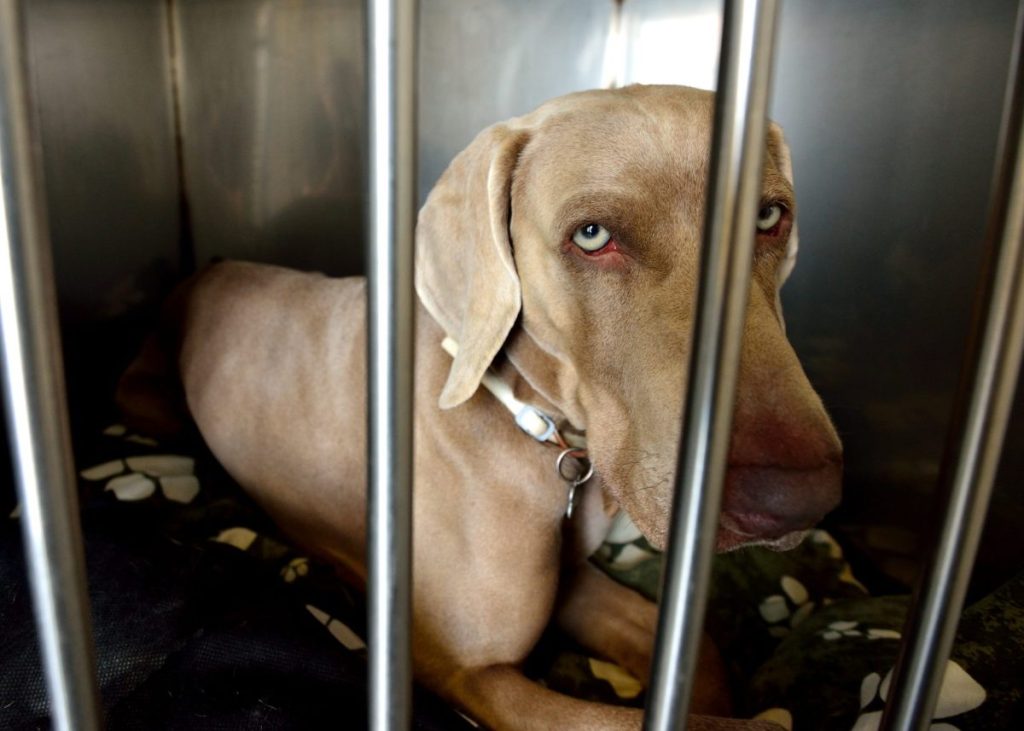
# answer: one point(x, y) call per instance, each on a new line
point(591, 237)
point(768, 217)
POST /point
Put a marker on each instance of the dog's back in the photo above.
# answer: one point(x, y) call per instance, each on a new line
point(221, 329)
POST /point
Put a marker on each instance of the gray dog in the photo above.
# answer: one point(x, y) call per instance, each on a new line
point(559, 252)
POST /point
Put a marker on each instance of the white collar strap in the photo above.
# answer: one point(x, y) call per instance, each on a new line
point(529, 418)
point(541, 427)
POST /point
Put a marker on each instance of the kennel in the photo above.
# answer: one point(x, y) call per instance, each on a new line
point(164, 123)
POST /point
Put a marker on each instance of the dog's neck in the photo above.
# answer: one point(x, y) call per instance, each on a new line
point(522, 378)
point(541, 379)
point(535, 412)
point(506, 371)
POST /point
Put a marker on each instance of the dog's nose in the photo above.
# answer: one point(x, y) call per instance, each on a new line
point(765, 502)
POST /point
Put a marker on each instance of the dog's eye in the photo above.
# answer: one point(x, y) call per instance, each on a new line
point(591, 237)
point(769, 216)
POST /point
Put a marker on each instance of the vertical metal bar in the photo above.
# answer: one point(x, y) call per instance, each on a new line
point(734, 191)
point(975, 440)
point(391, 34)
point(36, 404)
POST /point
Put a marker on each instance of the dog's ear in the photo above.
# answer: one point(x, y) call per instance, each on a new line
point(465, 274)
point(779, 152)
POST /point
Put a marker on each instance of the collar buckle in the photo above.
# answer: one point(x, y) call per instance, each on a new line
point(536, 423)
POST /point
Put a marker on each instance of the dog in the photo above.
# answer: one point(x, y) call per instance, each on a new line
point(559, 252)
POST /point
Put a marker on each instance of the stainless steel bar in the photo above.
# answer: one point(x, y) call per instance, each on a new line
point(392, 26)
point(974, 443)
point(744, 74)
point(36, 403)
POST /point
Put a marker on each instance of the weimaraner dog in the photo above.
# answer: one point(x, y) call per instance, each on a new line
point(559, 253)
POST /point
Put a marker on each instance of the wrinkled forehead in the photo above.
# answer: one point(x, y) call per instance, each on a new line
point(620, 147)
point(646, 149)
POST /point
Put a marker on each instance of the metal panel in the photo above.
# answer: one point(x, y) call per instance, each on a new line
point(272, 113)
point(101, 84)
point(893, 110)
point(273, 108)
point(483, 61)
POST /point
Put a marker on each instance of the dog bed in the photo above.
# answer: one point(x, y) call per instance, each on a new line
point(205, 618)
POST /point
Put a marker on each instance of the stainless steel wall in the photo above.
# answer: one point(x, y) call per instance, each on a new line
point(270, 112)
point(893, 112)
point(273, 108)
point(893, 109)
point(100, 74)
point(482, 61)
point(272, 124)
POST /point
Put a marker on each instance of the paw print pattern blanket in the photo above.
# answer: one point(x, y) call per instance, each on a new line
point(811, 650)
point(207, 619)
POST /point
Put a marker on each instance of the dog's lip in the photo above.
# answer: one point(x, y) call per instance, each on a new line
point(833, 460)
point(737, 529)
point(754, 525)
point(767, 502)
point(730, 540)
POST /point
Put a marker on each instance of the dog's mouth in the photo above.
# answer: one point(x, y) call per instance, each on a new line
point(767, 506)
point(731, 537)
point(756, 529)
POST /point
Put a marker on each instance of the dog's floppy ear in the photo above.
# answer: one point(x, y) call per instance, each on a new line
point(779, 151)
point(465, 274)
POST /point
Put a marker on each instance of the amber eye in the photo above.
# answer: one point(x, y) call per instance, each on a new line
point(591, 237)
point(769, 216)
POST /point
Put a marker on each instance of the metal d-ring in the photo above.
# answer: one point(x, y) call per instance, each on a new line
point(580, 454)
point(579, 478)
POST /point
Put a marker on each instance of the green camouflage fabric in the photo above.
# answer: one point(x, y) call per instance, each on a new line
point(807, 647)
point(805, 644)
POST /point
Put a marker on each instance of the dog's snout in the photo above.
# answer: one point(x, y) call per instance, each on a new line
point(797, 438)
point(785, 465)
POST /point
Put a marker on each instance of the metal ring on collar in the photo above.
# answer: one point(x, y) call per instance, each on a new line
point(585, 472)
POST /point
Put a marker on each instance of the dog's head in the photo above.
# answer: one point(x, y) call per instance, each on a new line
point(570, 237)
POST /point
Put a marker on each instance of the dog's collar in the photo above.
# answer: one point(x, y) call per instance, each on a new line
point(541, 427)
point(529, 418)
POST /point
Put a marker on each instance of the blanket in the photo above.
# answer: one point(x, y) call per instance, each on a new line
point(207, 618)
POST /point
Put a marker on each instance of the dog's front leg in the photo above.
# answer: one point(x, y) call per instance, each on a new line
point(502, 698)
point(620, 625)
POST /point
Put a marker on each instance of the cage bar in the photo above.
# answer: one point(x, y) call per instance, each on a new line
point(37, 414)
point(975, 440)
point(392, 26)
point(734, 191)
